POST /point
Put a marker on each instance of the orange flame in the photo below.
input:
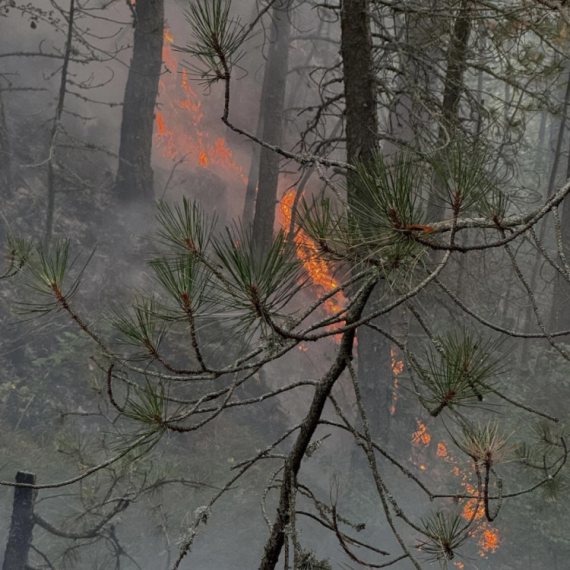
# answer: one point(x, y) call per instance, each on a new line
point(489, 542)
point(487, 537)
point(307, 252)
point(397, 369)
point(178, 134)
point(421, 435)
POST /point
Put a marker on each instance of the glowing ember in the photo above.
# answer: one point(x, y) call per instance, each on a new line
point(471, 505)
point(489, 541)
point(487, 537)
point(397, 369)
point(308, 252)
point(178, 135)
point(421, 435)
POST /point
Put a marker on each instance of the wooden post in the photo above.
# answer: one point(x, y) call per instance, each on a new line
point(22, 526)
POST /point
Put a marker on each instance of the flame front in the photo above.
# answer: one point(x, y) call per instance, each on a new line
point(397, 369)
point(179, 131)
point(308, 253)
point(487, 536)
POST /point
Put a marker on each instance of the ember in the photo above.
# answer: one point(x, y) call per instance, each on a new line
point(487, 537)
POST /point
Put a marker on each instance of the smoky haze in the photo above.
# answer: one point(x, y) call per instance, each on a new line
point(299, 300)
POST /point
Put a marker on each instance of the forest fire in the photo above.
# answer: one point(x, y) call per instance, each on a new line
point(307, 252)
point(180, 134)
point(487, 537)
point(397, 369)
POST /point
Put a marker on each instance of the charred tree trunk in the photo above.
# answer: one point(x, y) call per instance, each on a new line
point(453, 88)
point(56, 125)
point(361, 146)
point(359, 84)
point(253, 178)
point(273, 101)
point(5, 157)
point(135, 176)
point(558, 294)
point(560, 310)
point(22, 526)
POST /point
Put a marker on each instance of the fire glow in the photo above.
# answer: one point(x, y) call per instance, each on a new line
point(307, 252)
point(487, 537)
point(179, 133)
point(397, 369)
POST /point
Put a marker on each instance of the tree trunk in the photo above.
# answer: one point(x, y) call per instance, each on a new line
point(135, 176)
point(50, 213)
point(359, 84)
point(361, 145)
point(560, 311)
point(5, 157)
point(555, 316)
point(253, 178)
point(453, 88)
point(22, 526)
point(272, 102)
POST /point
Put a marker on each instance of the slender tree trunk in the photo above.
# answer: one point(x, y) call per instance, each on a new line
point(540, 154)
point(276, 539)
point(273, 103)
point(453, 88)
point(22, 526)
point(560, 310)
point(361, 121)
point(135, 176)
point(5, 157)
point(529, 320)
point(253, 178)
point(56, 125)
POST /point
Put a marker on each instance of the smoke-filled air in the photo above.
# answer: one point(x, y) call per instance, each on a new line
point(284, 284)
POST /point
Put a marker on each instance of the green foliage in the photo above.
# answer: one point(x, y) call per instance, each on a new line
point(216, 39)
point(484, 443)
point(188, 284)
point(460, 371)
point(18, 251)
point(47, 276)
point(327, 228)
point(444, 535)
point(259, 282)
point(544, 455)
point(386, 205)
point(141, 328)
point(185, 228)
point(462, 177)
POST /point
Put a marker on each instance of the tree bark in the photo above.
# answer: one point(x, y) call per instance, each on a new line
point(56, 124)
point(559, 311)
point(5, 157)
point(253, 178)
point(135, 175)
point(274, 544)
point(22, 526)
point(273, 103)
point(361, 145)
point(359, 84)
point(453, 88)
